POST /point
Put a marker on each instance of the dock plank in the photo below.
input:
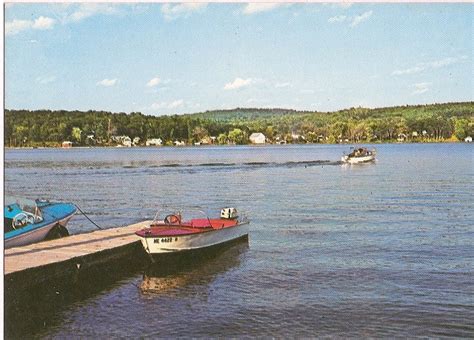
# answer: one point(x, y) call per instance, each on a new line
point(67, 248)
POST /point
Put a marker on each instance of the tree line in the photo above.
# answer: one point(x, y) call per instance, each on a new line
point(418, 123)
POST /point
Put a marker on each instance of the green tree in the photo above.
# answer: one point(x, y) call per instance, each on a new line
point(199, 133)
point(222, 139)
point(237, 136)
point(461, 126)
point(76, 134)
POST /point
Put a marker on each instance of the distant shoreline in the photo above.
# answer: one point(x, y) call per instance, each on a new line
point(431, 123)
point(218, 145)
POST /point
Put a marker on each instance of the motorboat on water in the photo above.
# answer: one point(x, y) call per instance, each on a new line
point(177, 234)
point(359, 155)
point(29, 221)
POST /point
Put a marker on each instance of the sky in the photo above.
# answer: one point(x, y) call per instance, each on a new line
point(191, 57)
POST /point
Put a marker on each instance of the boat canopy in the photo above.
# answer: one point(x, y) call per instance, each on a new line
point(13, 203)
point(19, 212)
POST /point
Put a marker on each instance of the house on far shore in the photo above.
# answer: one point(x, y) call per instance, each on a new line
point(127, 141)
point(468, 139)
point(402, 137)
point(66, 144)
point(280, 141)
point(136, 140)
point(154, 142)
point(257, 138)
point(179, 143)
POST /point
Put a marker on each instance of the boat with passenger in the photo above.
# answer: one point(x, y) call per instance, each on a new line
point(28, 221)
point(178, 233)
point(359, 155)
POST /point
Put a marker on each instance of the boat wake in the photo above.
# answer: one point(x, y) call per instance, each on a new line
point(252, 164)
point(103, 168)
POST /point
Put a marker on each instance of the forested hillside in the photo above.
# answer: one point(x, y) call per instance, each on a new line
point(421, 123)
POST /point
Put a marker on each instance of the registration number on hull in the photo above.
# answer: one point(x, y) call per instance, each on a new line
point(165, 240)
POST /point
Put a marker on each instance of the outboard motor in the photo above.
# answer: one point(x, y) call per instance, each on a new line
point(229, 213)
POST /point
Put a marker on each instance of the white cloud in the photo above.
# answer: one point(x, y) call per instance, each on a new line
point(43, 23)
point(175, 104)
point(420, 88)
point(153, 82)
point(46, 80)
point(446, 61)
point(107, 82)
point(420, 67)
point(238, 83)
point(174, 11)
point(16, 26)
point(257, 7)
point(168, 105)
point(410, 70)
point(87, 10)
point(337, 18)
point(66, 12)
point(361, 18)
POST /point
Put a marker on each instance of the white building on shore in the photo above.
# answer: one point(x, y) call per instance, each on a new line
point(257, 138)
point(154, 142)
point(127, 141)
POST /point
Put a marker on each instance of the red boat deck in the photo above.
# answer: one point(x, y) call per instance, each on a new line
point(186, 228)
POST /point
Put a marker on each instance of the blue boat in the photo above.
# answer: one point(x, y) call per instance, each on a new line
point(27, 221)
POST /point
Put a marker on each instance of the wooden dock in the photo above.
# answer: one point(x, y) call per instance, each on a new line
point(63, 260)
point(69, 248)
point(41, 277)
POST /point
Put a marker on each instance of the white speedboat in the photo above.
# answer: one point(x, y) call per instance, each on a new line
point(175, 234)
point(359, 155)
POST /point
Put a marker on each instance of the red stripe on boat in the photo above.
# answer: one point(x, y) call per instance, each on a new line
point(185, 228)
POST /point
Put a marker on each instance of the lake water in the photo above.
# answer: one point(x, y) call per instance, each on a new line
point(383, 249)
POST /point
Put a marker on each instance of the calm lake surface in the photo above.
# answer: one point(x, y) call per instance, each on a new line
point(384, 249)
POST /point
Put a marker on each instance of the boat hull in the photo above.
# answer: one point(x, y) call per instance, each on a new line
point(35, 235)
point(159, 245)
point(357, 160)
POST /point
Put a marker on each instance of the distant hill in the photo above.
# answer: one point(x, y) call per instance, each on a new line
point(414, 123)
point(250, 114)
point(245, 114)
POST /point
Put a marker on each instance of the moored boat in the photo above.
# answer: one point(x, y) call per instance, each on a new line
point(27, 221)
point(175, 234)
point(359, 155)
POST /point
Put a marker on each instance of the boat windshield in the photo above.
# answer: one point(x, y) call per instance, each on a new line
point(361, 152)
point(14, 205)
point(176, 216)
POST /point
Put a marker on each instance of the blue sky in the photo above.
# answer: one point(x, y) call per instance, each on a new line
point(183, 58)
